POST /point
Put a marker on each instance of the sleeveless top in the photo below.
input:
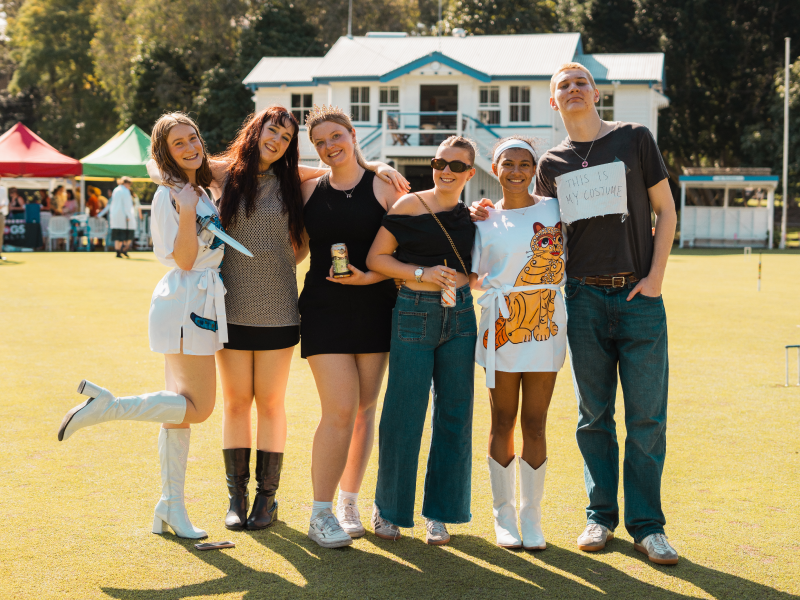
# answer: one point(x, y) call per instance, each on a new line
point(332, 218)
point(420, 240)
point(262, 291)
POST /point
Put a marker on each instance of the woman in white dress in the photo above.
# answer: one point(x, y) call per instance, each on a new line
point(187, 319)
point(518, 259)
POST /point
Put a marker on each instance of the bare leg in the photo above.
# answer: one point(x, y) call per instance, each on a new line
point(195, 378)
point(336, 376)
point(271, 374)
point(371, 369)
point(504, 402)
point(236, 374)
point(537, 391)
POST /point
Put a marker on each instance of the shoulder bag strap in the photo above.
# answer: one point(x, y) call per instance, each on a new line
point(449, 239)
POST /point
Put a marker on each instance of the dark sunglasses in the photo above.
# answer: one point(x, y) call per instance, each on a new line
point(456, 166)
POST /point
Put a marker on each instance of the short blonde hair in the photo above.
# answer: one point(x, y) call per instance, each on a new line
point(567, 67)
point(459, 141)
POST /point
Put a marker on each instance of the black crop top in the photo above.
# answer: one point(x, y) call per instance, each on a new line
point(420, 240)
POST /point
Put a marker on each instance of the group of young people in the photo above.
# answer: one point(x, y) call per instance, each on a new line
point(517, 250)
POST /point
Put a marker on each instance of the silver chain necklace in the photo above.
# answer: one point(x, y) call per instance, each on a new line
point(350, 193)
point(585, 160)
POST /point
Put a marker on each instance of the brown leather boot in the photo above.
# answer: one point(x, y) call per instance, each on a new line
point(268, 476)
point(237, 475)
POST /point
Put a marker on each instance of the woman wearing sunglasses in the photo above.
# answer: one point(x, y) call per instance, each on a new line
point(518, 259)
point(426, 240)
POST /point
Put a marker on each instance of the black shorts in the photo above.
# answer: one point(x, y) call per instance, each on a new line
point(256, 339)
point(122, 235)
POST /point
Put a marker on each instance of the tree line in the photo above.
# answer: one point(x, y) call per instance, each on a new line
point(82, 69)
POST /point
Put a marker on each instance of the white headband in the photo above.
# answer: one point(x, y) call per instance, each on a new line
point(513, 144)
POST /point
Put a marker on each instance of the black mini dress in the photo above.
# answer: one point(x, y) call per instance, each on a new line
point(336, 318)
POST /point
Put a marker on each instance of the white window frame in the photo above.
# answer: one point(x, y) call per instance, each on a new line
point(359, 104)
point(303, 110)
point(606, 111)
point(489, 104)
point(521, 105)
point(388, 105)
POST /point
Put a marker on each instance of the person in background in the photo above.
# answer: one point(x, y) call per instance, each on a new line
point(16, 205)
point(121, 217)
point(3, 215)
point(45, 201)
point(92, 201)
point(70, 206)
point(57, 202)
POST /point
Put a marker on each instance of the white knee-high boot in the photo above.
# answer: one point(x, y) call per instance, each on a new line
point(102, 406)
point(173, 452)
point(531, 487)
point(504, 503)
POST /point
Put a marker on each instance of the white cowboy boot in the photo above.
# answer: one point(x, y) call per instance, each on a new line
point(504, 503)
point(102, 406)
point(531, 488)
point(173, 452)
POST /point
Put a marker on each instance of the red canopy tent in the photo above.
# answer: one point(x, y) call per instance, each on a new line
point(25, 154)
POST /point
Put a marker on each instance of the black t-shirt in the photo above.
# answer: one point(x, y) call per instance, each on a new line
point(609, 244)
point(420, 240)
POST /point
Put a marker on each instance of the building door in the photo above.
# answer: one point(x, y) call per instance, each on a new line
point(437, 99)
point(420, 177)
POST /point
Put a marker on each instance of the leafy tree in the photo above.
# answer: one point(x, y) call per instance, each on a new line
point(162, 82)
point(498, 17)
point(762, 143)
point(222, 102)
point(50, 46)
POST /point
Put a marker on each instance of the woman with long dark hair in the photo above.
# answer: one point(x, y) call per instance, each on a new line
point(187, 319)
point(261, 206)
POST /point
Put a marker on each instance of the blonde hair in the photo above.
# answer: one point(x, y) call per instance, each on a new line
point(333, 114)
point(171, 173)
point(567, 67)
point(459, 141)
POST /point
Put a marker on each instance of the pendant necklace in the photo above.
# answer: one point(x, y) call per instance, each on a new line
point(585, 160)
point(350, 193)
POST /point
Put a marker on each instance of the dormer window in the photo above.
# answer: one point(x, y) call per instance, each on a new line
point(359, 104)
point(519, 104)
point(489, 104)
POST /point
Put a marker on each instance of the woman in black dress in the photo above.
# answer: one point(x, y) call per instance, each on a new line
point(345, 323)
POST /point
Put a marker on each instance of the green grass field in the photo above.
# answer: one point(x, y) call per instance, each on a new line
point(76, 515)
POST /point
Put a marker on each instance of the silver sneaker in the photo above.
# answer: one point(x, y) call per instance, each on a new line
point(383, 528)
point(326, 531)
point(436, 533)
point(594, 537)
point(350, 519)
point(658, 549)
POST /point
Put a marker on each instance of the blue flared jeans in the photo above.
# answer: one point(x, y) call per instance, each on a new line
point(429, 343)
point(609, 335)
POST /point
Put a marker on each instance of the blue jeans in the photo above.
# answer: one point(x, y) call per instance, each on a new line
point(605, 334)
point(429, 343)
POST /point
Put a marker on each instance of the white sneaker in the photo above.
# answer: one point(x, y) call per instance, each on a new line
point(326, 531)
point(594, 537)
point(436, 533)
point(350, 519)
point(658, 549)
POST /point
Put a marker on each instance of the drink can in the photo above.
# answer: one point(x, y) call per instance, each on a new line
point(340, 260)
point(448, 294)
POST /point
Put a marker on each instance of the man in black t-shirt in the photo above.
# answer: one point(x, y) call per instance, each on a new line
point(608, 176)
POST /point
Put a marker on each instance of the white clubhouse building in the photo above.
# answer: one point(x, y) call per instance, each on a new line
point(407, 93)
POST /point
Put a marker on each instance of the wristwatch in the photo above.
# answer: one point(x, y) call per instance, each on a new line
point(418, 274)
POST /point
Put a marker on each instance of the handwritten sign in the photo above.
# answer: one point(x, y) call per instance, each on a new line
point(593, 192)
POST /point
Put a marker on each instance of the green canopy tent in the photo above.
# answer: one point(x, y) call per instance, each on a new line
point(124, 154)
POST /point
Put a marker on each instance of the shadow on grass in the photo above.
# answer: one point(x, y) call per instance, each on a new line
point(470, 567)
point(8, 262)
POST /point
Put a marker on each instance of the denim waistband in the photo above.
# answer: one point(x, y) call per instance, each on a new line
point(463, 294)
